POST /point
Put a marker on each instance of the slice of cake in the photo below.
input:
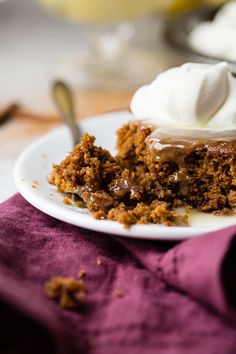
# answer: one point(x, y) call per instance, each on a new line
point(186, 158)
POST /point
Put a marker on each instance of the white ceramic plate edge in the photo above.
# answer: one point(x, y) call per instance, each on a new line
point(72, 215)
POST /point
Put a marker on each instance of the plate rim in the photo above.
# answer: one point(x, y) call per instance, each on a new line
point(45, 205)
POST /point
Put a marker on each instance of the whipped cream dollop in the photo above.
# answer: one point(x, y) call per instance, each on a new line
point(217, 38)
point(191, 97)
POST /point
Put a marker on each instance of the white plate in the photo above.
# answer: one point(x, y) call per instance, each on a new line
point(35, 163)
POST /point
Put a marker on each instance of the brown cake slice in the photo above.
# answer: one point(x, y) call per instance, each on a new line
point(147, 184)
point(197, 173)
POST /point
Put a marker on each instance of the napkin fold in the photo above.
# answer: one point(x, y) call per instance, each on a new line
point(142, 296)
point(203, 267)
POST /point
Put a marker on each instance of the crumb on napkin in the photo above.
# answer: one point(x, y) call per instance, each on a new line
point(81, 273)
point(92, 342)
point(67, 291)
point(99, 261)
point(117, 293)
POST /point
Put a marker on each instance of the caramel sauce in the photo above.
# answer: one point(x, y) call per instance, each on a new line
point(122, 186)
point(167, 148)
point(92, 196)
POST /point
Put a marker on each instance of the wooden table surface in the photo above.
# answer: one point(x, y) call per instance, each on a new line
point(24, 127)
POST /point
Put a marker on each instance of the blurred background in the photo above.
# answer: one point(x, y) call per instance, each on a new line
point(93, 44)
point(104, 49)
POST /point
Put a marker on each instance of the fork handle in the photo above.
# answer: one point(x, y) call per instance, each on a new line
point(63, 98)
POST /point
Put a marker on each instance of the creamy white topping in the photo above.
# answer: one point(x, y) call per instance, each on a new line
point(217, 38)
point(192, 97)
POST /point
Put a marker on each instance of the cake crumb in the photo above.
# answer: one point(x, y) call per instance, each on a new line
point(66, 201)
point(80, 204)
point(118, 293)
point(99, 261)
point(35, 184)
point(67, 291)
point(92, 342)
point(188, 209)
point(81, 273)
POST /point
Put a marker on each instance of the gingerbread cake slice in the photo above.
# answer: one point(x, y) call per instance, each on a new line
point(178, 154)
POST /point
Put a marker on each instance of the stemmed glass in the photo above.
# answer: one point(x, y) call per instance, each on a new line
point(124, 46)
point(122, 42)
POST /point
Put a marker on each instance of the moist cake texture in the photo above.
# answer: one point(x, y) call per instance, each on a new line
point(146, 182)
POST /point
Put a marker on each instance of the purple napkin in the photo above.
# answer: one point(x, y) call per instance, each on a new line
point(177, 298)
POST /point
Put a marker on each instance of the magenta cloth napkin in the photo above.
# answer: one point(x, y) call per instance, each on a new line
point(178, 298)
